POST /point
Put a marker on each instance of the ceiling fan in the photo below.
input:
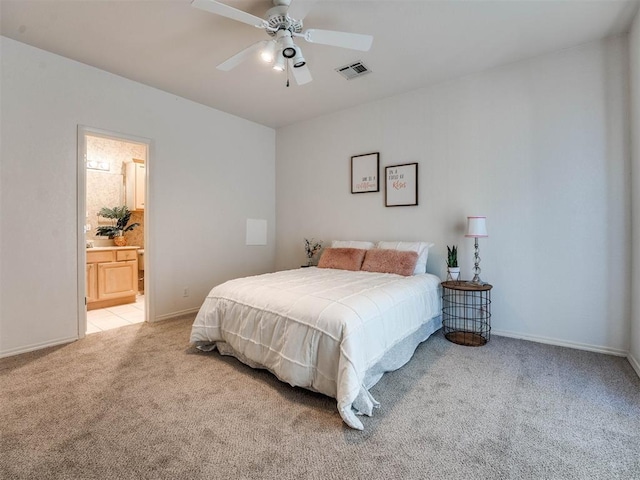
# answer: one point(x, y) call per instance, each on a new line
point(283, 23)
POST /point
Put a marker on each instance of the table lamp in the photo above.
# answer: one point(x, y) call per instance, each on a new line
point(476, 228)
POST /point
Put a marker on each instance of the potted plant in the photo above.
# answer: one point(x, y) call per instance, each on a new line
point(120, 218)
point(452, 262)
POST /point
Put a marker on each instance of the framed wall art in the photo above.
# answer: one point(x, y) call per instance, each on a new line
point(365, 173)
point(402, 185)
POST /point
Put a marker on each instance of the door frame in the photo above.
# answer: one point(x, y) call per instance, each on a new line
point(83, 131)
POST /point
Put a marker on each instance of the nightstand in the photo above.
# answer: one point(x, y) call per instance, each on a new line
point(466, 312)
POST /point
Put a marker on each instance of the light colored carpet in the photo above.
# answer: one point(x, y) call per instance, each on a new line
point(140, 403)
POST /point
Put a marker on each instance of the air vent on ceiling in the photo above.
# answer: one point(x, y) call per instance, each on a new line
point(353, 70)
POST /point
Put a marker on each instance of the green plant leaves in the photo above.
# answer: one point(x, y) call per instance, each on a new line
point(452, 256)
point(121, 215)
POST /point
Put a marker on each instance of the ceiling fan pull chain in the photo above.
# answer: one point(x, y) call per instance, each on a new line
point(287, 67)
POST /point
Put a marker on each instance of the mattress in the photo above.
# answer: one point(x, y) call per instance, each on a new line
point(327, 330)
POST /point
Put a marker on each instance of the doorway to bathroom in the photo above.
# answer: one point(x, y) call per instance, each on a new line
point(112, 212)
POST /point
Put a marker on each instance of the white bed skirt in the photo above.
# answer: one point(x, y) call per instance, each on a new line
point(394, 359)
point(330, 331)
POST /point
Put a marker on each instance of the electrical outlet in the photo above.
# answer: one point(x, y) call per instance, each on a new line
point(185, 292)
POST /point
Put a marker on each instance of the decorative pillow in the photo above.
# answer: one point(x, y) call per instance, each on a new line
point(390, 261)
point(421, 248)
point(352, 244)
point(342, 258)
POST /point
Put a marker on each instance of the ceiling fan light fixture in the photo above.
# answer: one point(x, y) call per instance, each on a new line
point(298, 60)
point(289, 52)
point(268, 52)
point(280, 62)
point(286, 42)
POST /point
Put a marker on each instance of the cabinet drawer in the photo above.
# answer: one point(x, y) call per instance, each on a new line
point(122, 255)
point(100, 257)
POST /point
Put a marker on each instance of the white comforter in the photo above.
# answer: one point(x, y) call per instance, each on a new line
point(320, 329)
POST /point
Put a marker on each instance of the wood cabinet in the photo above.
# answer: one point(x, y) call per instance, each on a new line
point(92, 283)
point(135, 178)
point(112, 276)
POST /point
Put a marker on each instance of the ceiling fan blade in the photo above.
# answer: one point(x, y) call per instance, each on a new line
point(298, 9)
point(226, 11)
point(354, 41)
point(241, 56)
point(301, 74)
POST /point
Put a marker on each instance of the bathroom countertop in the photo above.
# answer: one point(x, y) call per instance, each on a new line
point(127, 247)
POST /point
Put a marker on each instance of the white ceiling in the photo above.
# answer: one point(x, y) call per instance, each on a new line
point(172, 46)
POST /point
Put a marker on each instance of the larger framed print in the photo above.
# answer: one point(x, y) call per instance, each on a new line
point(401, 185)
point(365, 173)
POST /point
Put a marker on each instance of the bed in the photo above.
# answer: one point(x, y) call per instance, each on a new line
point(329, 330)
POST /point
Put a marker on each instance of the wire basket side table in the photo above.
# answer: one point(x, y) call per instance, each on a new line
point(466, 312)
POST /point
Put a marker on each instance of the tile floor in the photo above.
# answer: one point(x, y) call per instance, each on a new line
point(114, 317)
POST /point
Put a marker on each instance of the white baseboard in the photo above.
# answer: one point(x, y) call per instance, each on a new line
point(562, 343)
point(634, 363)
point(61, 341)
point(36, 346)
point(174, 315)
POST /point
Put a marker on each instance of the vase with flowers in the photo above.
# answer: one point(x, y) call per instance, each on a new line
point(311, 248)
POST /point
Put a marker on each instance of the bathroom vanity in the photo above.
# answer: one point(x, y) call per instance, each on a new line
point(112, 276)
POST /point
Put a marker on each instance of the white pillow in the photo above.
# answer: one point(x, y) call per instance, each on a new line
point(422, 248)
point(352, 244)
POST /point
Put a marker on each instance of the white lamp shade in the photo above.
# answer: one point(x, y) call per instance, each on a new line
point(476, 227)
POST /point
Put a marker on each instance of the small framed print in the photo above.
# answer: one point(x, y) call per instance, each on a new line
point(402, 185)
point(365, 173)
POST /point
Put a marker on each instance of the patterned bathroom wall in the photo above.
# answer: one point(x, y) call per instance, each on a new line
point(136, 236)
point(106, 188)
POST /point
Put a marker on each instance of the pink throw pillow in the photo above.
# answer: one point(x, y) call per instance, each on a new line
point(390, 261)
point(342, 258)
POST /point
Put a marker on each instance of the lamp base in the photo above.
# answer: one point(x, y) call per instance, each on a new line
point(476, 267)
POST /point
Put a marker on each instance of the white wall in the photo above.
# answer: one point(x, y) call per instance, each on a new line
point(539, 146)
point(634, 56)
point(210, 171)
